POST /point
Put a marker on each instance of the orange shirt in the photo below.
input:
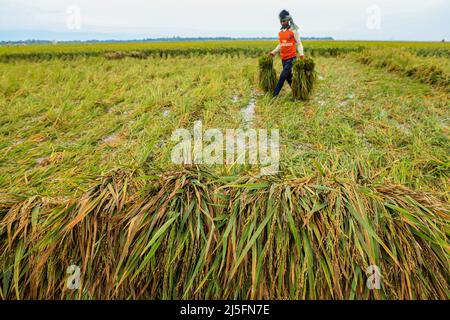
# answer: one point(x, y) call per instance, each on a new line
point(288, 44)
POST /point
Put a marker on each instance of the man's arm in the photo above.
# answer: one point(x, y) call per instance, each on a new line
point(276, 50)
point(300, 49)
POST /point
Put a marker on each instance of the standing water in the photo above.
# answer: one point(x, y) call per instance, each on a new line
point(248, 113)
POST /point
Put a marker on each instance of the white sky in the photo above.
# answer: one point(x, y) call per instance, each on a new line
point(341, 19)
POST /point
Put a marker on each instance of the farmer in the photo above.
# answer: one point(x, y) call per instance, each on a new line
point(290, 47)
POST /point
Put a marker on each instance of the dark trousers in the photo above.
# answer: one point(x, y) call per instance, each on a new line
point(286, 75)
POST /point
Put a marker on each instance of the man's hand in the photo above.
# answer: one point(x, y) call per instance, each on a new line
point(302, 57)
point(270, 53)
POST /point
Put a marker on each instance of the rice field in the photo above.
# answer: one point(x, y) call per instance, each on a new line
point(86, 176)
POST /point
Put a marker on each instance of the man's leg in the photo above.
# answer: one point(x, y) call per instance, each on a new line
point(289, 77)
point(283, 78)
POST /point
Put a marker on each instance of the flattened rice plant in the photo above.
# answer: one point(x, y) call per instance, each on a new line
point(196, 235)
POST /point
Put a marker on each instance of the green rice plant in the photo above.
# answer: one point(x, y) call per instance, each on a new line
point(304, 78)
point(250, 48)
point(267, 75)
point(432, 52)
point(194, 234)
point(401, 61)
point(363, 181)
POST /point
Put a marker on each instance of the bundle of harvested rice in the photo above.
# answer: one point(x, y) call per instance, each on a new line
point(196, 235)
point(267, 75)
point(304, 78)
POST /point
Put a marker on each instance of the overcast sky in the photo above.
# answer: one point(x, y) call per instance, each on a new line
point(341, 19)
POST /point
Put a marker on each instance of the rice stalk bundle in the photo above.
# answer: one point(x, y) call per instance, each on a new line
point(304, 78)
point(195, 235)
point(267, 75)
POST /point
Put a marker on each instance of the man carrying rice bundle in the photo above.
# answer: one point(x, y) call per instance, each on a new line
point(290, 47)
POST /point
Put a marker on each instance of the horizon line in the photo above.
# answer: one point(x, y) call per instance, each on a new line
point(194, 39)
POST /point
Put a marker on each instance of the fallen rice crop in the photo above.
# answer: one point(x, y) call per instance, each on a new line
point(142, 50)
point(408, 64)
point(195, 235)
point(363, 176)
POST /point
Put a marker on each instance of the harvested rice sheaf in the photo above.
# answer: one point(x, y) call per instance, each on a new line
point(267, 75)
point(304, 78)
point(195, 235)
